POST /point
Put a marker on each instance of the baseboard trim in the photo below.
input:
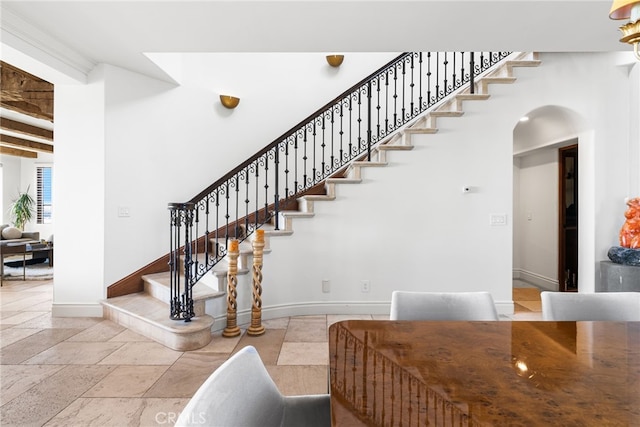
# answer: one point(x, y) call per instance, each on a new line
point(320, 309)
point(536, 279)
point(77, 310)
point(307, 309)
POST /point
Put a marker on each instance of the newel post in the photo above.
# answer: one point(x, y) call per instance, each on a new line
point(181, 227)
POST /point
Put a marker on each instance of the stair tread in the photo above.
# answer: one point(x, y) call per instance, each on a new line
point(318, 197)
point(473, 96)
point(297, 214)
point(524, 62)
point(392, 147)
point(498, 79)
point(152, 310)
point(421, 130)
point(365, 163)
point(344, 180)
point(446, 113)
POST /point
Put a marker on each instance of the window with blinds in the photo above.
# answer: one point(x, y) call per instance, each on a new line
point(44, 195)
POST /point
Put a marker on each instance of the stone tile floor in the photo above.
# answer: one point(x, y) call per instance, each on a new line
point(92, 372)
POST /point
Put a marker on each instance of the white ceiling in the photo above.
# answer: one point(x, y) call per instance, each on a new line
point(70, 37)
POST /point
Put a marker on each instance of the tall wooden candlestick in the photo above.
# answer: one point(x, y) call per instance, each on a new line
point(256, 327)
point(232, 329)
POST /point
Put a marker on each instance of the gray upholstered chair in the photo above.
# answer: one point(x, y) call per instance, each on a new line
point(614, 306)
point(406, 305)
point(241, 393)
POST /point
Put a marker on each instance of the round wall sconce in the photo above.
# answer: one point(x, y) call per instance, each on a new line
point(335, 60)
point(229, 101)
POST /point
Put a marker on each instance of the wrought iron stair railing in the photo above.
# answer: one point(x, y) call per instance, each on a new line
point(344, 130)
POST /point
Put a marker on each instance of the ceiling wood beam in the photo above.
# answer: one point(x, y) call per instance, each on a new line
point(19, 153)
point(25, 129)
point(25, 144)
point(24, 108)
point(25, 93)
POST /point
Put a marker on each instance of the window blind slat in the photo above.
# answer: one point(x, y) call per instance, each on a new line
point(44, 195)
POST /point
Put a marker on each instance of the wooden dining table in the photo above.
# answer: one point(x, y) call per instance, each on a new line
point(502, 373)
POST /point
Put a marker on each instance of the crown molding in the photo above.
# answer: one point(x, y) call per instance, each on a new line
point(56, 62)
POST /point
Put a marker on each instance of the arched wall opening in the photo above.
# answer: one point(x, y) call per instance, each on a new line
point(537, 139)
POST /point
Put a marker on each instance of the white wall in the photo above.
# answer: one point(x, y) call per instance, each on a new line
point(407, 226)
point(11, 175)
point(536, 218)
point(79, 188)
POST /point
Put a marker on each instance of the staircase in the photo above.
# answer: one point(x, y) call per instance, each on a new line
point(147, 313)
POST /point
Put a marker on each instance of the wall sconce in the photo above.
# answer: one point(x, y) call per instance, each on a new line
point(628, 9)
point(335, 60)
point(229, 101)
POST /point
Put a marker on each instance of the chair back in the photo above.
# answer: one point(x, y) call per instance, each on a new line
point(239, 393)
point(571, 306)
point(406, 305)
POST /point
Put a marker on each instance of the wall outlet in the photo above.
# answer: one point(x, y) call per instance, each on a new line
point(498, 219)
point(326, 286)
point(365, 286)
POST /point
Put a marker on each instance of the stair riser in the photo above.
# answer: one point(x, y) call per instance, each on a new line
point(163, 294)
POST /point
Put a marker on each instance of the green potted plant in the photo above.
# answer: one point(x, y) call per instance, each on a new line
point(22, 208)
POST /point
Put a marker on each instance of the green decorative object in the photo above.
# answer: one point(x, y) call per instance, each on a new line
point(22, 208)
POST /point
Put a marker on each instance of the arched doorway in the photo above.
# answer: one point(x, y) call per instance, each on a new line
point(545, 246)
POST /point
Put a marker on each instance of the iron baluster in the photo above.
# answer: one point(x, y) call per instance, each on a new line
point(207, 249)
point(419, 81)
point(369, 121)
point(377, 110)
point(226, 215)
point(323, 145)
point(472, 73)
point(216, 232)
point(428, 78)
point(360, 120)
point(463, 77)
point(304, 159)
point(276, 195)
point(257, 199)
point(246, 200)
point(438, 76)
point(454, 77)
point(341, 133)
point(195, 244)
point(412, 86)
point(404, 74)
point(296, 187)
point(286, 169)
point(266, 188)
point(332, 159)
point(237, 216)
point(446, 81)
point(386, 101)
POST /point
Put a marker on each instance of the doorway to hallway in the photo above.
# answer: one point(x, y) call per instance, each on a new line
point(568, 219)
